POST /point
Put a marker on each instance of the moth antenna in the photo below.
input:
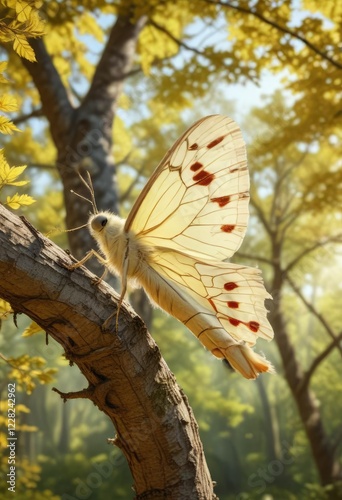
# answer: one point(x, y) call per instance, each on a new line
point(89, 186)
point(60, 230)
point(75, 228)
point(83, 198)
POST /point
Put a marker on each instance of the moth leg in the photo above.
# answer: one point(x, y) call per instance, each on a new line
point(115, 314)
point(122, 295)
point(123, 285)
point(88, 255)
point(97, 280)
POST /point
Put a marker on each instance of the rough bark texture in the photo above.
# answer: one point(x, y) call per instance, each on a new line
point(127, 377)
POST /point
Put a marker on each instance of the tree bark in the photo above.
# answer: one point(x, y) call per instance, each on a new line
point(83, 135)
point(127, 377)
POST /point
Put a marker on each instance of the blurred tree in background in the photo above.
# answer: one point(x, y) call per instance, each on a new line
point(112, 87)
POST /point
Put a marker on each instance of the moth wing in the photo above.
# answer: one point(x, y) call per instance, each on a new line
point(221, 303)
point(196, 201)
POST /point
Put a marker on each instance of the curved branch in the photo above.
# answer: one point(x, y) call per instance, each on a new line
point(317, 361)
point(177, 41)
point(280, 28)
point(317, 315)
point(127, 378)
point(333, 239)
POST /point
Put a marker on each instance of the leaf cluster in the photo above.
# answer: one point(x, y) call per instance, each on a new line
point(19, 21)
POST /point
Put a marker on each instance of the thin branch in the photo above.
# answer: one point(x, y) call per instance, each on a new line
point(36, 113)
point(293, 166)
point(317, 361)
point(257, 258)
point(181, 43)
point(177, 41)
point(280, 28)
point(262, 216)
point(124, 160)
point(130, 188)
point(43, 166)
point(313, 311)
point(333, 239)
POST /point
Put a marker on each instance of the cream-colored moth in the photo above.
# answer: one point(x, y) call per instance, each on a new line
point(190, 217)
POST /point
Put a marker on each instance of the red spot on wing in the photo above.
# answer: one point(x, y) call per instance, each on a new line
point(234, 321)
point(232, 304)
point(222, 200)
point(253, 325)
point(196, 166)
point(227, 228)
point(230, 286)
point(215, 142)
point(203, 178)
point(193, 146)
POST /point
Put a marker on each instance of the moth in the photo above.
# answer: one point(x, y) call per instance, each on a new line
point(187, 221)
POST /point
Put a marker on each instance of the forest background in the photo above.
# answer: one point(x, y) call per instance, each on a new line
point(151, 69)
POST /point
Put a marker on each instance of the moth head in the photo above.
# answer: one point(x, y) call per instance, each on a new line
point(105, 226)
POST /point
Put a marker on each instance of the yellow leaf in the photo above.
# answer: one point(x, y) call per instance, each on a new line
point(8, 103)
point(23, 11)
point(23, 48)
point(6, 126)
point(5, 309)
point(32, 329)
point(8, 175)
point(13, 173)
point(17, 200)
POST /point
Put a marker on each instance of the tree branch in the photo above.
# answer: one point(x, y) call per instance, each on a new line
point(116, 60)
point(201, 53)
point(317, 315)
point(262, 217)
point(177, 41)
point(127, 377)
point(55, 102)
point(333, 239)
point(280, 28)
point(317, 361)
point(35, 113)
point(124, 196)
point(258, 258)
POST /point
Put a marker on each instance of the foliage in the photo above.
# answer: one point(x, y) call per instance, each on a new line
point(19, 21)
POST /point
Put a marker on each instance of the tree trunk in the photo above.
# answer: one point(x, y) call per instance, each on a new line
point(83, 136)
point(328, 467)
point(127, 377)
